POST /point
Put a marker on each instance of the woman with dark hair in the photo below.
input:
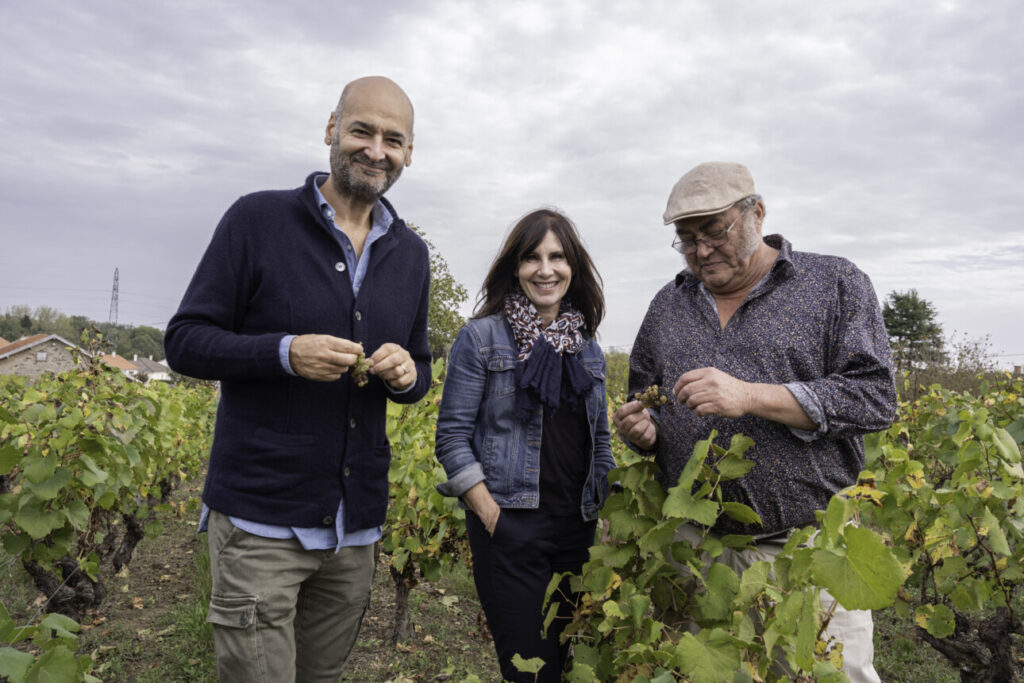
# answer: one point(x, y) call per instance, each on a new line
point(523, 433)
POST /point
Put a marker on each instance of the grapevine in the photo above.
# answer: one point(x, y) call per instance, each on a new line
point(360, 371)
point(651, 397)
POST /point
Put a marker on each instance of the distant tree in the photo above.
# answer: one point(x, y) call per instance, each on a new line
point(127, 341)
point(144, 341)
point(13, 324)
point(77, 324)
point(10, 329)
point(914, 332)
point(49, 320)
point(446, 296)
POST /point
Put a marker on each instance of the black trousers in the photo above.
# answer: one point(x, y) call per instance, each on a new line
point(512, 571)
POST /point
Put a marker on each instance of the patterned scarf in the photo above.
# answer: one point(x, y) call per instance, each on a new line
point(547, 370)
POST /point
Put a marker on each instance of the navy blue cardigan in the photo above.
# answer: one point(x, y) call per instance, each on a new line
point(285, 448)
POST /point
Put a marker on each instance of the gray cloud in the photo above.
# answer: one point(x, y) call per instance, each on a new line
point(882, 131)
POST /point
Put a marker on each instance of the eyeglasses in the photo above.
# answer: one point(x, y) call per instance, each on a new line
point(712, 240)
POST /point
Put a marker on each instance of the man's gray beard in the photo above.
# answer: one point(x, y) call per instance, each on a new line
point(347, 185)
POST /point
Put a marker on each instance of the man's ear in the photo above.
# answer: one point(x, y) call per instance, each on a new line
point(408, 154)
point(329, 132)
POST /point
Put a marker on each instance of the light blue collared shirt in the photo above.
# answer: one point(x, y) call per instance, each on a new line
point(380, 221)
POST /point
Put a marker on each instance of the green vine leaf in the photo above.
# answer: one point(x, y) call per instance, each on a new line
point(865, 576)
point(710, 657)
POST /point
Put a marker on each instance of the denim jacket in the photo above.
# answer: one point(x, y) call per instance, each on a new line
point(479, 437)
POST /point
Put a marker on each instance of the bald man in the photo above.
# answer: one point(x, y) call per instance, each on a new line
point(295, 287)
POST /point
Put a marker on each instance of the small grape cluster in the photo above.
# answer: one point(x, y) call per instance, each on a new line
point(360, 371)
point(651, 397)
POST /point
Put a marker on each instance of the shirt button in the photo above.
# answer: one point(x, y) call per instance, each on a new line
point(352, 423)
point(359, 316)
point(244, 621)
point(339, 266)
point(328, 520)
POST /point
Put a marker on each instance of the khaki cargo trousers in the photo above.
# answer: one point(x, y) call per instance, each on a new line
point(280, 613)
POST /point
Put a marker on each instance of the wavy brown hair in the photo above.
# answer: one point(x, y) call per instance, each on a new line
point(585, 288)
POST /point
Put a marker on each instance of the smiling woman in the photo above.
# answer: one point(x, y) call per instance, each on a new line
point(544, 276)
point(522, 433)
point(552, 234)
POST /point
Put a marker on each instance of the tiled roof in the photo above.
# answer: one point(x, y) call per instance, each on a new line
point(118, 362)
point(29, 342)
point(150, 366)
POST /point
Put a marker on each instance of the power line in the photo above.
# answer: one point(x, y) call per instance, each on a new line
point(78, 290)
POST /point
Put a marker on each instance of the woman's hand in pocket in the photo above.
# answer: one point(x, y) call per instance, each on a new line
point(480, 501)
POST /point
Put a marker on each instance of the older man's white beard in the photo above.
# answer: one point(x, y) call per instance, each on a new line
point(750, 243)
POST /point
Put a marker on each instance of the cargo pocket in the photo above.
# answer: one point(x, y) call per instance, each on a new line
point(232, 611)
point(238, 638)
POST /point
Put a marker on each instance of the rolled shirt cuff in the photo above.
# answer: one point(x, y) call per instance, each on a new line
point(809, 401)
point(282, 353)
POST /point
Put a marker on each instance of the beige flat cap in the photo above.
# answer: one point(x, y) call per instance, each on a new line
point(708, 188)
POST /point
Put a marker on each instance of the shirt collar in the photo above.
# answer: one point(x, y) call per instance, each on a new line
point(380, 218)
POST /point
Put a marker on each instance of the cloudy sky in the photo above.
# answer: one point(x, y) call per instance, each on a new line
point(890, 132)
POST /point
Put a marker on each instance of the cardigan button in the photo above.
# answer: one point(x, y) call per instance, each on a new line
point(328, 520)
point(346, 471)
point(359, 316)
point(340, 266)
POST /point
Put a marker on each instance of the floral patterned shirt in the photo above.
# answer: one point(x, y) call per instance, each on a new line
point(813, 324)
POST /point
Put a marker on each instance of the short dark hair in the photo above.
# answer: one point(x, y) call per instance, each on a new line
point(585, 288)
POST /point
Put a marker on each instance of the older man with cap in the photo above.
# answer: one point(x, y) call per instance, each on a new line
point(785, 347)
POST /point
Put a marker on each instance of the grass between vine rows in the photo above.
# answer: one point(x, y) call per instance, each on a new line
point(151, 627)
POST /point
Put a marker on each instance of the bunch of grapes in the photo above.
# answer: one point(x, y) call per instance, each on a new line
point(360, 371)
point(651, 397)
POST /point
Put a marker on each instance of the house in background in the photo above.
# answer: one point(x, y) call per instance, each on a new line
point(152, 369)
point(38, 354)
point(121, 363)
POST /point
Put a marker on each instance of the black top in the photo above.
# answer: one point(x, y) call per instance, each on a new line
point(563, 459)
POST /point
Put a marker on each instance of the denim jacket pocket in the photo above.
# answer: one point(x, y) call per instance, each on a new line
point(595, 367)
point(501, 375)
